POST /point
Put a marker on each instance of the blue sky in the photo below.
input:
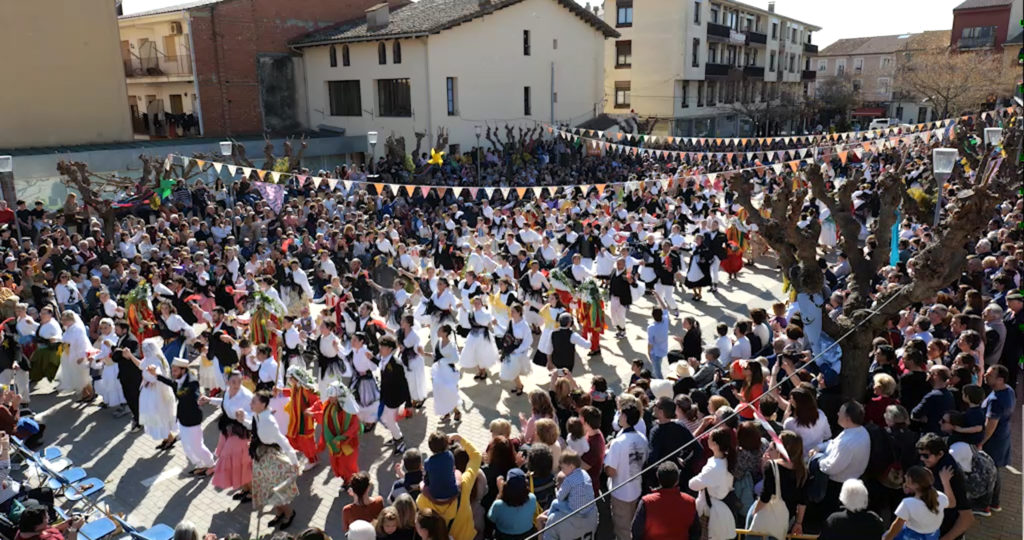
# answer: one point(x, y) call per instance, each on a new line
point(838, 19)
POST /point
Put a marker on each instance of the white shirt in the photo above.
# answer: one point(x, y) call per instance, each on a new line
point(626, 454)
point(267, 371)
point(917, 515)
point(521, 331)
point(241, 401)
point(51, 331)
point(740, 350)
point(846, 456)
point(443, 301)
point(176, 324)
point(110, 308)
point(812, 435)
point(714, 477)
point(67, 294)
point(361, 360)
point(270, 433)
point(27, 326)
point(724, 345)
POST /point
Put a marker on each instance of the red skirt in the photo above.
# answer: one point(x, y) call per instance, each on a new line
point(234, 466)
point(345, 466)
point(733, 262)
point(306, 445)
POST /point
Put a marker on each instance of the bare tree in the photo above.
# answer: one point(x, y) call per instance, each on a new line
point(865, 310)
point(834, 98)
point(954, 82)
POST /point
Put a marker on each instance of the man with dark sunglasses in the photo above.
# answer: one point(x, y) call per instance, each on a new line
point(949, 479)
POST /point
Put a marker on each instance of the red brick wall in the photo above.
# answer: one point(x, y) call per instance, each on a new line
point(227, 38)
point(997, 16)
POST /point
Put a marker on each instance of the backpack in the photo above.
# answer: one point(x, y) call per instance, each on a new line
point(982, 479)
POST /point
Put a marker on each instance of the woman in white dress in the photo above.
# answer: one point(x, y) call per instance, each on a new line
point(157, 407)
point(549, 323)
point(74, 361)
point(364, 382)
point(109, 386)
point(444, 375)
point(412, 355)
point(515, 350)
point(480, 352)
point(713, 483)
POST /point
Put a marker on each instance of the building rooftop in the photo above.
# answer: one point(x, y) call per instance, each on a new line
point(931, 39)
point(427, 17)
point(763, 11)
point(979, 4)
point(172, 8)
point(1019, 38)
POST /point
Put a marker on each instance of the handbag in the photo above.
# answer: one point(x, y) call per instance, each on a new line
point(773, 518)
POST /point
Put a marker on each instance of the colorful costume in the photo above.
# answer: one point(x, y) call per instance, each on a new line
point(341, 428)
point(591, 314)
point(302, 409)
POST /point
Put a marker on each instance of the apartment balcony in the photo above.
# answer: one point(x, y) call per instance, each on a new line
point(721, 71)
point(810, 48)
point(753, 72)
point(157, 69)
point(984, 42)
point(718, 32)
point(808, 75)
point(756, 38)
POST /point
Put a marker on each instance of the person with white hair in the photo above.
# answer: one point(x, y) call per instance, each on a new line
point(156, 401)
point(75, 358)
point(854, 521)
point(361, 530)
point(108, 386)
point(340, 427)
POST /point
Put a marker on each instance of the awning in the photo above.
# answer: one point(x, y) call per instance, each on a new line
point(869, 111)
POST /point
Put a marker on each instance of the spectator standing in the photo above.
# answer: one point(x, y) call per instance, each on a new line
point(624, 459)
point(666, 512)
point(854, 521)
point(999, 406)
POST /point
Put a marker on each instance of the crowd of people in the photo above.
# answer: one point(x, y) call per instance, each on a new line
point(300, 331)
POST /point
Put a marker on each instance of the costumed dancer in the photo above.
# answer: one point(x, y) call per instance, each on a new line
point(109, 384)
point(303, 407)
point(515, 351)
point(128, 373)
point(394, 391)
point(665, 268)
point(174, 330)
point(275, 466)
point(364, 382)
point(479, 352)
point(549, 319)
point(21, 370)
point(534, 284)
point(444, 375)
point(501, 302)
point(219, 342)
point(11, 361)
point(716, 243)
point(564, 341)
point(412, 359)
point(211, 377)
point(620, 289)
point(233, 469)
point(440, 308)
point(296, 289)
point(265, 368)
point(330, 364)
point(591, 314)
point(340, 429)
point(156, 401)
point(291, 345)
point(75, 358)
point(189, 414)
point(698, 274)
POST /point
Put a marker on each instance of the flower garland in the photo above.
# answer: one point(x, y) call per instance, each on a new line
point(557, 275)
point(264, 310)
point(138, 311)
point(592, 303)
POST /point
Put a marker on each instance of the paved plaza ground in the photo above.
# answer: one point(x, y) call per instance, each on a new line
point(151, 487)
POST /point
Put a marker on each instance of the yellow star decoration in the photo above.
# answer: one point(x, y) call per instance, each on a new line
point(436, 157)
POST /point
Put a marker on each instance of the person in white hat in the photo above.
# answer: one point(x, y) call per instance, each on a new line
point(340, 431)
point(190, 416)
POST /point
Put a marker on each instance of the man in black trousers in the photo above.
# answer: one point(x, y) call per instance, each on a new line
point(128, 373)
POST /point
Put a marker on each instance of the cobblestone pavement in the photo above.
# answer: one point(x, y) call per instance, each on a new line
point(151, 487)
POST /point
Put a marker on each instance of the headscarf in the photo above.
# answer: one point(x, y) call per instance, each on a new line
point(302, 376)
point(344, 396)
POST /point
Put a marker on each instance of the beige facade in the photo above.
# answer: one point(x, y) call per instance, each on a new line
point(156, 52)
point(477, 73)
point(63, 82)
point(690, 63)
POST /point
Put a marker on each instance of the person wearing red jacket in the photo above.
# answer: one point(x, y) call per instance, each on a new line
point(666, 512)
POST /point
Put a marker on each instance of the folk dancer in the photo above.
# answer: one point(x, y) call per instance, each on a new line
point(128, 373)
point(364, 382)
point(620, 289)
point(109, 385)
point(75, 357)
point(564, 341)
point(515, 351)
point(156, 400)
point(189, 414)
point(233, 469)
point(480, 351)
point(340, 428)
point(444, 376)
point(303, 407)
point(275, 465)
point(331, 366)
point(394, 391)
point(412, 358)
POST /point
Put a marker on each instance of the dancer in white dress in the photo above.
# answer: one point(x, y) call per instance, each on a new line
point(331, 367)
point(515, 350)
point(296, 289)
point(480, 352)
point(444, 375)
point(364, 381)
point(157, 407)
point(412, 355)
point(74, 362)
point(440, 307)
point(109, 386)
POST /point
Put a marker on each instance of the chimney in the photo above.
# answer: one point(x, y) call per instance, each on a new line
point(771, 7)
point(377, 17)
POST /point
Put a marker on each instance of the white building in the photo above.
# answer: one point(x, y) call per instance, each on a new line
point(456, 64)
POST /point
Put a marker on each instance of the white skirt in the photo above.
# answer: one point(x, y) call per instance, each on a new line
point(446, 387)
point(416, 375)
point(516, 365)
point(157, 410)
point(480, 352)
point(544, 344)
point(647, 274)
point(72, 375)
point(211, 376)
point(109, 387)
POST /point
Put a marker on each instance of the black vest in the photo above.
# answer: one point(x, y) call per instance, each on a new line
point(563, 352)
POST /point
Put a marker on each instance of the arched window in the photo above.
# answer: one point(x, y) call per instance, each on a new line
point(344, 55)
point(334, 56)
point(396, 52)
point(382, 54)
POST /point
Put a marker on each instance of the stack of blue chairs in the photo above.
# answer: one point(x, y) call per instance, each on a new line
point(75, 486)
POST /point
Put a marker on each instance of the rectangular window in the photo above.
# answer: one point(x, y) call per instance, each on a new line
point(624, 13)
point(345, 99)
point(700, 93)
point(856, 85)
point(792, 35)
point(695, 62)
point(714, 14)
point(526, 43)
point(883, 85)
point(886, 62)
point(771, 61)
point(554, 44)
point(822, 66)
point(622, 94)
point(623, 53)
point(712, 54)
point(451, 96)
point(682, 93)
point(526, 101)
point(171, 48)
point(775, 30)
point(840, 67)
point(394, 97)
point(858, 65)
point(696, 13)
point(792, 62)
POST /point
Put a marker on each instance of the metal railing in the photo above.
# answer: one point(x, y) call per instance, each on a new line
point(157, 65)
point(983, 42)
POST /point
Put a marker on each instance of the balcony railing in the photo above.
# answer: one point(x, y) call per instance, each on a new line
point(809, 75)
point(810, 48)
point(756, 72)
point(757, 37)
point(983, 42)
point(720, 31)
point(157, 66)
point(716, 70)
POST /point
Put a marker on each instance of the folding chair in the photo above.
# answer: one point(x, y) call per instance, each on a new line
point(51, 453)
point(83, 488)
point(66, 478)
point(157, 532)
point(97, 529)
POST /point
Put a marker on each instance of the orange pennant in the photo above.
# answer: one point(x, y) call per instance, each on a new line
point(409, 189)
point(261, 173)
point(520, 191)
point(600, 189)
point(200, 163)
point(379, 187)
point(794, 165)
point(842, 156)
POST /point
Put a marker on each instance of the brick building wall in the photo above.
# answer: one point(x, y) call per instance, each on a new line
point(229, 37)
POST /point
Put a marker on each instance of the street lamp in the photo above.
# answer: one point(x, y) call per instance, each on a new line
point(225, 148)
point(993, 136)
point(371, 137)
point(478, 130)
point(943, 161)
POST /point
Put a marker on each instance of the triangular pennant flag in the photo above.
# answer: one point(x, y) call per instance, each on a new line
point(410, 189)
point(859, 152)
point(316, 182)
point(795, 165)
point(275, 176)
point(425, 190)
point(379, 187)
point(216, 166)
point(777, 168)
point(537, 191)
point(520, 191)
point(504, 192)
point(473, 191)
point(346, 183)
point(200, 163)
point(600, 189)
point(333, 182)
point(489, 191)
point(842, 156)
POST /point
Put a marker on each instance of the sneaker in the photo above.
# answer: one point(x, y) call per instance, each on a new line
point(995, 508)
point(399, 445)
point(985, 512)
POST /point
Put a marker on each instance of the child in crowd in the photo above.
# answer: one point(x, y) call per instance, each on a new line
point(922, 512)
point(576, 439)
point(972, 429)
point(439, 481)
point(410, 473)
point(724, 343)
